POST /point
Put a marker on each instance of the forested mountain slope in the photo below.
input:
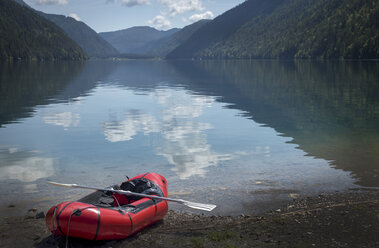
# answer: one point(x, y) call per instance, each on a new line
point(165, 45)
point(83, 35)
point(322, 29)
point(26, 35)
point(316, 29)
point(223, 26)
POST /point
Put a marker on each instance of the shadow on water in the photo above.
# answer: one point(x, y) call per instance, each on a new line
point(25, 85)
point(330, 109)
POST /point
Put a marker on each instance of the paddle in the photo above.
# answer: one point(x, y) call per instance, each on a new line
point(201, 206)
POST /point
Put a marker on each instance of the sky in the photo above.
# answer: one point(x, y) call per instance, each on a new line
point(111, 15)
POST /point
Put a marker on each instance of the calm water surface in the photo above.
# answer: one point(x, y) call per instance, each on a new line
point(239, 134)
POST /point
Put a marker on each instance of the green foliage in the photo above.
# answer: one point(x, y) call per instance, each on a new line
point(198, 242)
point(221, 235)
point(231, 246)
point(316, 29)
point(26, 35)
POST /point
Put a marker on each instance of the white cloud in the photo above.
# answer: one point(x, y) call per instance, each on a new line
point(132, 3)
point(159, 22)
point(75, 16)
point(181, 6)
point(198, 17)
point(51, 2)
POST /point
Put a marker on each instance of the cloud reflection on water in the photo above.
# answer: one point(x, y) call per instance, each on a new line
point(26, 167)
point(185, 142)
point(65, 119)
point(135, 122)
point(186, 147)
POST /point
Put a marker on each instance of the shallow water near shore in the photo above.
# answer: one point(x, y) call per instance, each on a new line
point(240, 134)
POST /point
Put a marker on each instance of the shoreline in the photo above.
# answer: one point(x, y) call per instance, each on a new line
point(343, 219)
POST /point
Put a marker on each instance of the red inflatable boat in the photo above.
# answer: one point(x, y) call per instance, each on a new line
point(105, 215)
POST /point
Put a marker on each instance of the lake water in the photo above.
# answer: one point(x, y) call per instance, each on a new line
point(241, 134)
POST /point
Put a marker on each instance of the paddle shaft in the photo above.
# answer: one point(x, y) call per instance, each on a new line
point(125, 192)
point(201, 206)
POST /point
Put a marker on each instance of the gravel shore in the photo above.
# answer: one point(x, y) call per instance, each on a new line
point(347, 219)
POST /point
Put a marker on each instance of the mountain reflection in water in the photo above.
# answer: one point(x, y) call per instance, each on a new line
point(251, 126)
point(330, 109)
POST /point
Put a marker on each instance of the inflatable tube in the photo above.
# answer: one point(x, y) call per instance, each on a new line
point(105, 216)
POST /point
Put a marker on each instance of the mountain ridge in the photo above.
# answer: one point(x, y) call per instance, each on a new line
point(81, 33)
point(223, 26)
point(26, 35)
point(288, 29)
point(315, 29)
point(254, 29)
point(167, 44)
point(134, 40)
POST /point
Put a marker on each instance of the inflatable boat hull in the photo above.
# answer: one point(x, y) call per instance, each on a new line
point(117, 221)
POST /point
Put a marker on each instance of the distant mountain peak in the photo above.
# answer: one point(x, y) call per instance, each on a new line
point(133, 40)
